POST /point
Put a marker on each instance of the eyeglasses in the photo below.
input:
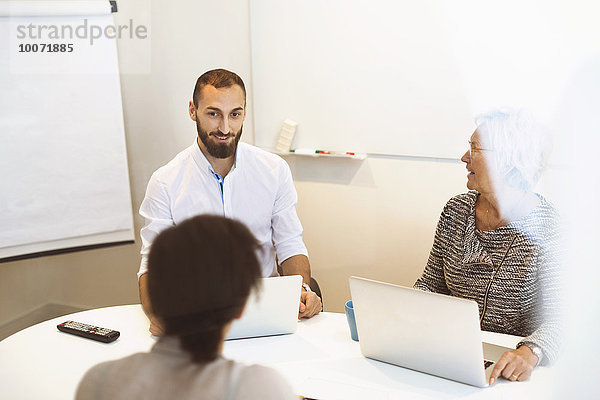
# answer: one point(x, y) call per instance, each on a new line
point(473, 148)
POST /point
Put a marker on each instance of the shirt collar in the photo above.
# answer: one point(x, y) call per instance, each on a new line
point(168, 344)
point(171, 345)
point(203, 162)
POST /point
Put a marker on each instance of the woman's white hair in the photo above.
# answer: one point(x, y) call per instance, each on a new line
point(520, 145)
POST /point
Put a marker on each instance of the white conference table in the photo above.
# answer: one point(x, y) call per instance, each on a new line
point(319, 360)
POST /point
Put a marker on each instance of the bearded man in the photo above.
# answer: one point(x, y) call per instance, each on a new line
point(220, 175)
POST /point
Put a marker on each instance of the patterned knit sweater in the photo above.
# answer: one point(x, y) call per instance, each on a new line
point(511, 272)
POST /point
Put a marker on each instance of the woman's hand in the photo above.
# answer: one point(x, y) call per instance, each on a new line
point(515, 365)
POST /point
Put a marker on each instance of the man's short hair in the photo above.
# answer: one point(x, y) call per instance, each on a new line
point(218, 78)
point(200, 273)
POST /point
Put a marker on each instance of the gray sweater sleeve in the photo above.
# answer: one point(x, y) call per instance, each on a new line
point(550, 277)
point(432, 279)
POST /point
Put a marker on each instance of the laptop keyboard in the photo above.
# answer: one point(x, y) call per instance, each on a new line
point(487, 363)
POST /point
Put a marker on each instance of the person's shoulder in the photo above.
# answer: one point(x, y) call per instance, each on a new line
point(109, 374)
point(258, 381)
point(125, 363)
point(463, 202)
point(255, 370)
point(174, 165)
point(257, 152)
point(546, 207)
point(260, 158)
point(545, 218)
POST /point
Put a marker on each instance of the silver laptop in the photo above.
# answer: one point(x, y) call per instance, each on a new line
point(426, 332)
point(271, 310)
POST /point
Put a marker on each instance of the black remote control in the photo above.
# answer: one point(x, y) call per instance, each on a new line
point(89, 331)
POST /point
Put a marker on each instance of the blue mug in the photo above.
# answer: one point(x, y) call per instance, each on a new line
point(351, 320)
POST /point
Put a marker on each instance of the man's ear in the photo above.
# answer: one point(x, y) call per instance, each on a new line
point(192, 110)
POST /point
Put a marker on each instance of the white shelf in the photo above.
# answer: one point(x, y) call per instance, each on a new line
point(355, 156)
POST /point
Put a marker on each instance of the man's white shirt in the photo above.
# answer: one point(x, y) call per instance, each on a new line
point(258, 191)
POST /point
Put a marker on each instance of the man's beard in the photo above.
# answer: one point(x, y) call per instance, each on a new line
point(218, 150)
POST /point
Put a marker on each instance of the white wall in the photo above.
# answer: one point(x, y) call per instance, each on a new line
point(374, 218)
point(187, 38)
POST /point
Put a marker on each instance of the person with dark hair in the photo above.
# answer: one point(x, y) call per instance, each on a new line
point(220, 175)
point(187, 268)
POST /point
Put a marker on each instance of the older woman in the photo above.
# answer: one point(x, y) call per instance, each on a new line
point(497, 244)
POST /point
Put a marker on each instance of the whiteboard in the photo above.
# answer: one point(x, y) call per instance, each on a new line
point(407, 77)
point(63, 158)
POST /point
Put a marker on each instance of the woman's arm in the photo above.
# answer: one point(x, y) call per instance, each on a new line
point(433, 279)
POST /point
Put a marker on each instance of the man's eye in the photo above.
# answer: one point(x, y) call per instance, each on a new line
point(213, 114)
point(235, 114)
